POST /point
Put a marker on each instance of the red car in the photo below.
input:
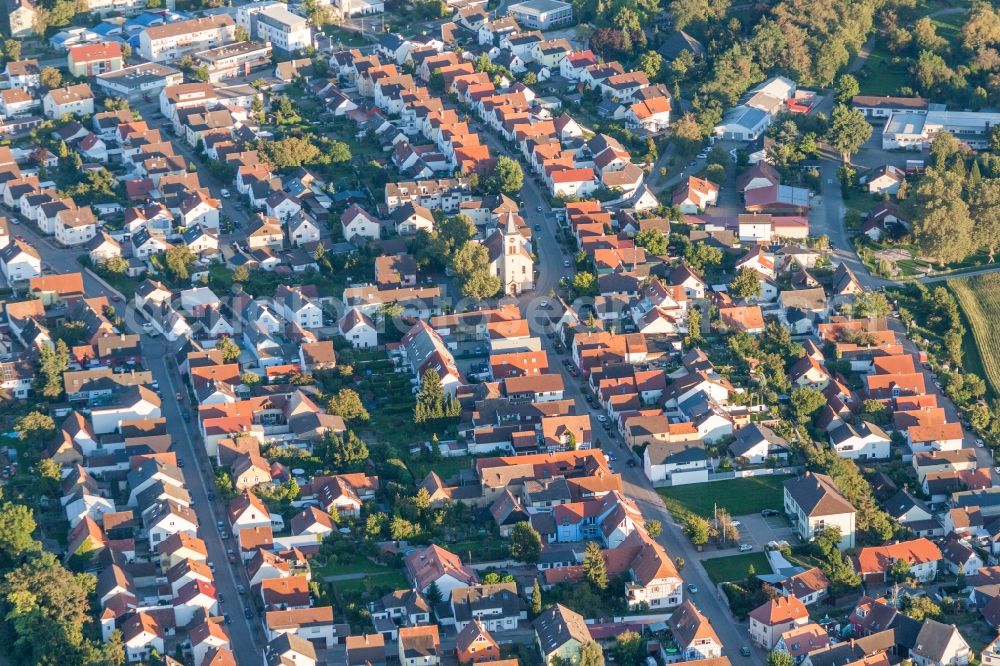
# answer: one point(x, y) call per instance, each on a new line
point(117, 298)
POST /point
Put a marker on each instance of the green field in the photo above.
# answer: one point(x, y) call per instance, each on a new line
point(738, 496)
point(734, 567)
point(393, 580)
point(979, 299)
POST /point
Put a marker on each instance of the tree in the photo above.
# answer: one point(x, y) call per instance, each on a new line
point(630, 649)
point(12, 49)
point(289, 152)
point(507, 176)
point(654, 528)
point(52, 363)
point(805, 402)
point(347, 404)
point(525, 543)
point(653, 240)
point(432, 401)
point(871, 304)
point(780, 658)
point(35, 427)
point(434, 596)
point(701, 255)
point(745, 284)
point(591, 654)
point(595, 568)
point(180, 259)
point(585, 284)
point(921, 608)
point(942, 224)
point(346, 451)
point(848, 131)
point(651, 63)
point(696, 528)
point(51, 77)
point(48, 470)
point(17, 525)
point(471, 265)
point(47, 607)
point(847, 88)
point(126, 51)
point(900, 570)
point(375, 525)
point(230, 350)
point(536, 599)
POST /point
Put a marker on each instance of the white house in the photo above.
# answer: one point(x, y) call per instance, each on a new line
point(359, 329)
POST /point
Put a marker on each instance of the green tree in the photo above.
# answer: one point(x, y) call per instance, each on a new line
point(230, 350)
point(630, 649)
point(805, 402)
point(536, 599)
point(696, 528)
point(654, 528)
point(51, 77)
point(347, 404)
point(745, 284)
point(115, 265)
point(375, 525)
point(585, 284)
point(871, 304)
point(12, 49)
point(346, 451)
point(653, 240)
point(701, 255)
point(651, 63)
point(471, 264)
point(48, 470)
point(780, 658)
point(52, 363)
point(507, 176)
point(17, 526)
point(847, 88)
point(921, 608)
point(47, 608)
point(591, 654)
point(180, 259)
point(434, 596)
point(848, 131)
point(289, 152)
point(432, 401)
point(900, 570)
point(525, 543)
point(942, 224)
point(35, 427)
point(595, 567)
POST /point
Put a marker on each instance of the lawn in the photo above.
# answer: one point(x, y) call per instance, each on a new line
point(446, 468)
point(391, 580)
point(333, 568)
point(735, 567)
point(979, 299)
point(739, 496)
point(347, 38)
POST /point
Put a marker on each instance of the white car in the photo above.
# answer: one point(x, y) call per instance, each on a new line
point(744, 547)
point(735, 523)
point(980, 443)
point(225, 193)
point(602, 418)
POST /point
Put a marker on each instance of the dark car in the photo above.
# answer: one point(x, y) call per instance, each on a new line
point(247, 613)
point(180, 462)
point(227, 618)
point(767, 513)
point(631, 462)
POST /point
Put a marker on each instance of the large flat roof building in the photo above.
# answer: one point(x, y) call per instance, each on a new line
point(542, 14)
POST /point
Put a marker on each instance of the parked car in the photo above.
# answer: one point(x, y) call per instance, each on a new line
point(767, 513)
point(692, 588)
point(745, 651)
point(744, 547)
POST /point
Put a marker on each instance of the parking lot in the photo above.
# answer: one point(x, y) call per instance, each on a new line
point(759, 531)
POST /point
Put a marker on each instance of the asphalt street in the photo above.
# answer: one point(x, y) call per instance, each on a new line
point(247, 637)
